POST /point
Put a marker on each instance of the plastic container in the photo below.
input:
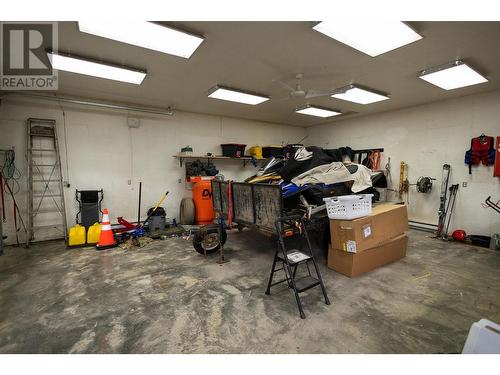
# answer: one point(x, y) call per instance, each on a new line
point(156, 223)
point(348, 207)
point(202, 197)
point(157, 219)
point(186, 151)
point(233, 150)
point(93, 233)
point(483, 241)
point(483, 338)
point(76, 235)
point(272, 151)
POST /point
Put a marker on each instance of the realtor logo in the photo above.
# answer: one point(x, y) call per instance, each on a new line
point(24, 64)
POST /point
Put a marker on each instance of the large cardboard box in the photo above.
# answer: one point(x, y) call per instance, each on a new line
point(385, 222)
point(353, 265)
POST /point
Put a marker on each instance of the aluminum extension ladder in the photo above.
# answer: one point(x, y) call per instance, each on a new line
point(290, 260)
point(46, 210)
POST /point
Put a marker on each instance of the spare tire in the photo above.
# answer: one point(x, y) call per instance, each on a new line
point(207, 240)
point(186, 211)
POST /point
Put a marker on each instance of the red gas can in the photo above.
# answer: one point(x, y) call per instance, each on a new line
point(202, 197)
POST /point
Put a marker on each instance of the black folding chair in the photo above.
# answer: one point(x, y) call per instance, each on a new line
point(89, 206)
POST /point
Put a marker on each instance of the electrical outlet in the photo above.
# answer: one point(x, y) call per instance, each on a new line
point(180, 180)
point(464, 184)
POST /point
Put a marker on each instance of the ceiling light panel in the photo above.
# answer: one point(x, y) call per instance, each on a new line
point(237, 96)
point(317, 112)
point(95, 69)
point(371, 37)
point(145, 34)
point(358, 95)
point(452, 76)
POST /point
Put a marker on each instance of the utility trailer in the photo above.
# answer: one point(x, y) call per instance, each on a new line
point(254, 206)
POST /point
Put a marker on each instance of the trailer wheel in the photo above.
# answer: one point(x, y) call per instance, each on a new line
point(208, 240)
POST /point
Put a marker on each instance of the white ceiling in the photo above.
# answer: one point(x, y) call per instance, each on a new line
point(249, 55)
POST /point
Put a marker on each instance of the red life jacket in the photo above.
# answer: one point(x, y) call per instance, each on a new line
point(481, 151)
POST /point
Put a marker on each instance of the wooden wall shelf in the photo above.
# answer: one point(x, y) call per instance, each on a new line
point(244, 159)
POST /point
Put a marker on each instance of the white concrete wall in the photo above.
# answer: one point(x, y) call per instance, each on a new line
point(426, 137)
point(103, 152)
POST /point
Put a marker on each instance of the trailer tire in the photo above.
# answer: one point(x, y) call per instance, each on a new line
point(208, 240)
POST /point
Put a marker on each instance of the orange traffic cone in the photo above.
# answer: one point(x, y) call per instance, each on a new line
point(106, 239)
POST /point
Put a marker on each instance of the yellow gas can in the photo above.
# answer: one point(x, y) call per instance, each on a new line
point(93, 233)
point(76, 235)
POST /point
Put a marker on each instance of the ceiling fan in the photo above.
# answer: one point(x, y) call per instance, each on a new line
point(299, 92)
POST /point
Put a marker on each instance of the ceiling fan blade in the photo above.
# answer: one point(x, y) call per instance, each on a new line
point(284, 85)
point(318, 93)
point(280, 99)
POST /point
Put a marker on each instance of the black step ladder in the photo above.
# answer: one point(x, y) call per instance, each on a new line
point(291, 260)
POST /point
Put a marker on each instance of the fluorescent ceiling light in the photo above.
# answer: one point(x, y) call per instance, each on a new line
point(355, 94)
point(236, 96)
point(95, 69)
point(452, 76)
point(371, 37)
point(145, 34)
point(317, 111)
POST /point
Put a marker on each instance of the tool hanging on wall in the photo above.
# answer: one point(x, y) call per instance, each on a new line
point(17, 213)
point(9, 176)
point(374, 160)
point(424, 184)
point(404, 184)
point(491, 204)
point(442, 199)
point(388, 169)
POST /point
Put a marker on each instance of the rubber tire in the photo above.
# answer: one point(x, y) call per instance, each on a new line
point(198, 237)
point(186, 211)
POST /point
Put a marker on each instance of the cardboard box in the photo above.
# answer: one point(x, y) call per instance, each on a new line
point(353, 265)
point(385, 222)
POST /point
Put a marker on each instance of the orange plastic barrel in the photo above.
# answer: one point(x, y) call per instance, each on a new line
point(202, 197)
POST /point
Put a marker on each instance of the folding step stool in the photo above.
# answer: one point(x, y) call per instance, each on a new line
point(292, 259)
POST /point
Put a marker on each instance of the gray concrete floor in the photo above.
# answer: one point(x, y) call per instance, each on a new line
point(166, 298)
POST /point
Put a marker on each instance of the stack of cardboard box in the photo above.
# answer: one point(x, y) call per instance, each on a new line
point(369, 242)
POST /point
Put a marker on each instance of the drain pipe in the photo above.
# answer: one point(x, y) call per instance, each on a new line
point(157, 111)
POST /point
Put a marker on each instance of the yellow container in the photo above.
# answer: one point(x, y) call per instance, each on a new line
point(255, 151)
point(76, 235)
point(93, 233)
